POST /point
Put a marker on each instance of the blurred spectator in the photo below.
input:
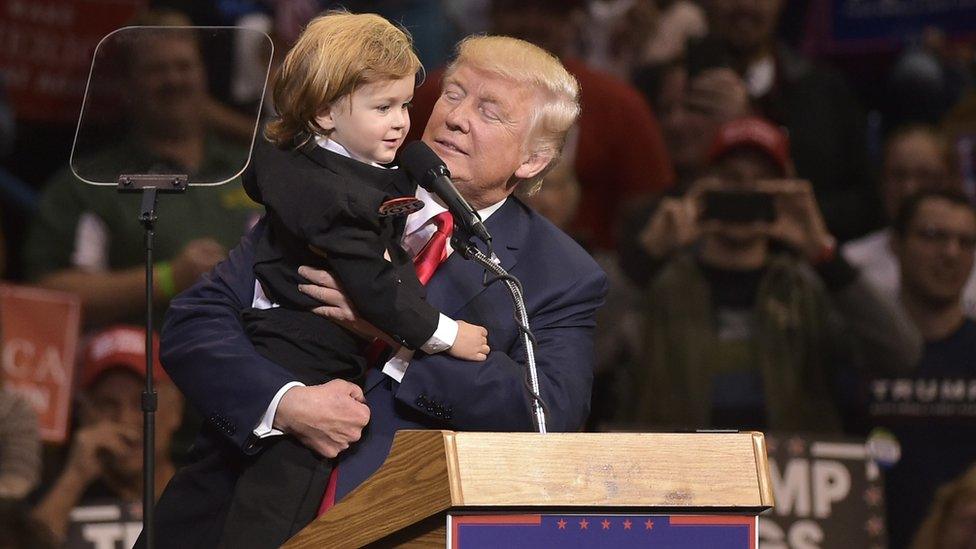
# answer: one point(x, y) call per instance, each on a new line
point(8, 123)
point(622, 36)
point(20, 442)
point(951, 520)
point(612, 33)
point(678, 22)
point(17, 199)
point(18, 530)
point(20, 446)
point(915, 158)
point(620, 156)
point(934, 238)
point(692, 109)
point(88, 240)
point(817, 108)
point(925, 81)
point(3, 250)
point(104, 465)
point(469, 16)
point(250, 64)
point(960, 128)
point(745, 334)
point(617, 336)
point(434, 33)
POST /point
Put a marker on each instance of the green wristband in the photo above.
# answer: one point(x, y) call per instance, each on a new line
point(164, 279)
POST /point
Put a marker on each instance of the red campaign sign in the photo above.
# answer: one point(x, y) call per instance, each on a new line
point(46, 49)
point(39, 339)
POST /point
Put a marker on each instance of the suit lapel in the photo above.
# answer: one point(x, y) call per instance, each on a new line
point(458, 281)
point(320, 156)
point(390, 181)
point(393, 182)
point(374, 375)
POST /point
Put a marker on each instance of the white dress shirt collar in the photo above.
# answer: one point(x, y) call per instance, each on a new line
point(433, 206)
point(335, 147)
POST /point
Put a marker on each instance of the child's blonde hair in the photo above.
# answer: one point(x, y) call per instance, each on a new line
point(337, 53)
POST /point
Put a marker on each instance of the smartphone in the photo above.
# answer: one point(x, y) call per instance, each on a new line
point(738, 206)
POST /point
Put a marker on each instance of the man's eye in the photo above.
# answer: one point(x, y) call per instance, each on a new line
point(490, 114)
point(383, 108)
point(408, 105)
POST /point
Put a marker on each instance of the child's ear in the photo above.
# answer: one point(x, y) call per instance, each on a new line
point(325, 119)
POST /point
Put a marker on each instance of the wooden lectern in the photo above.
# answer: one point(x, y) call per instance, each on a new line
point(431, 473)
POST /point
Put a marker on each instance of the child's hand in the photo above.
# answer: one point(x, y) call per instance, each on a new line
point(471, 342)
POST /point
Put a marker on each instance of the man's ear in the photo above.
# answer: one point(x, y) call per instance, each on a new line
point(325, 119)
point(535, 163)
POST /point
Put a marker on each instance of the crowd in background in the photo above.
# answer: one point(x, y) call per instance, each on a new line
point(787, 232)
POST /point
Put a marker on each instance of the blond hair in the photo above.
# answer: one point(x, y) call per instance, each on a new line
point(960, 490)
point(337, 53)
point(527, 64)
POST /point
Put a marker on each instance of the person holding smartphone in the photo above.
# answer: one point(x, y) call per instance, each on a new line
point(753, 321)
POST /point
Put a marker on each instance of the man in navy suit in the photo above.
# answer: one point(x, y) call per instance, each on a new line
point(499, 124)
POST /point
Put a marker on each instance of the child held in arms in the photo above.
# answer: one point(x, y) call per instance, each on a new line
point(335, 202)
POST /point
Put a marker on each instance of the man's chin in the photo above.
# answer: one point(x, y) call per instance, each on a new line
point(939, 300)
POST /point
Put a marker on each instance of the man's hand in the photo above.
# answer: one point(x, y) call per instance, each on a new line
point(196, 258)
point(720, 93)
point(674, 224)
point(335, 305)
point(96, 444)
point(799, 222)
point(326, 418)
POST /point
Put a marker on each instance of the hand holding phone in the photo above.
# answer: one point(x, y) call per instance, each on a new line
point(799, 222)
point(738, 206)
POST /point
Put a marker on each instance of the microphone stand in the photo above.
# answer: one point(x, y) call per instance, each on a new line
point(150, 186)
point(461, 243)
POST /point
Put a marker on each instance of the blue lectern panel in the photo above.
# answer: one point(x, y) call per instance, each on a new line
point(490, 531)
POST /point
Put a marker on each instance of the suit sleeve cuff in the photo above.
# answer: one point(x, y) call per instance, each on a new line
point(443, 337)
point(265, 428)
point(396, 367)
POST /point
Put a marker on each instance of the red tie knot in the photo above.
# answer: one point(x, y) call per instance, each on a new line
point(444, 222)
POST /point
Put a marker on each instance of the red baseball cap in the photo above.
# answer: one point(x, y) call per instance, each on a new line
point(755, 133)
point(119, 347)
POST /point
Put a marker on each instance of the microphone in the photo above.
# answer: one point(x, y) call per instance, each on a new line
point(429, 171)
